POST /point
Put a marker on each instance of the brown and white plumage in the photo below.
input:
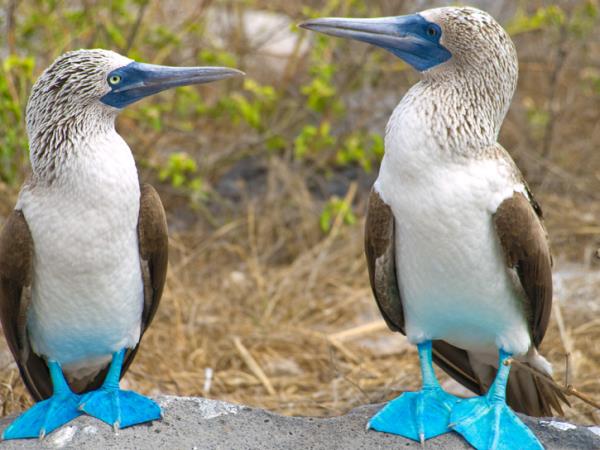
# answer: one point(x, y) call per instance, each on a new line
point(455, 244)
point(83, 257)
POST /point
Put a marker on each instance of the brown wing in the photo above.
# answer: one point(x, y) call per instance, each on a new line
point(518, 222)
point(525, 245)
point(381, 261)
point(154, 256)
point(380, 250)
point(16, 258)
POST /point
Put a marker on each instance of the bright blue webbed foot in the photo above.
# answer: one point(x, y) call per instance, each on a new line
point(117, 407)
point(488, 423)
point(47, 415)
point(418, 415)
point(44, 417)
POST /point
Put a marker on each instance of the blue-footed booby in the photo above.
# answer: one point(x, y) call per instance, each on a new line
point(83, 257)
point(457, 253)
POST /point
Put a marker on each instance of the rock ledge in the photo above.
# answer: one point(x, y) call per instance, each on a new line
point(198, 423)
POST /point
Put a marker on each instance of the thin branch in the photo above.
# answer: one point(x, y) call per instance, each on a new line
point(359, 331)
point(136, 26)
point(11, 9)
point(561, 58)
point(253, 365)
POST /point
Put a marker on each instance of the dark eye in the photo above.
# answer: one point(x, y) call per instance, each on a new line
point(114, 79)
point(431, 31)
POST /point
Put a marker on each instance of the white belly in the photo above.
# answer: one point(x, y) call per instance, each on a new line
point(87, 290)
point(453, 279)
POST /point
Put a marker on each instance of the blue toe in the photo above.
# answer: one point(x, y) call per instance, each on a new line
point(44, 417)
point(488, 424)
point(416, 415)
point(119, 408)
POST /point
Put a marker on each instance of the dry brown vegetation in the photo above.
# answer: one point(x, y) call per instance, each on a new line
point(281, 311)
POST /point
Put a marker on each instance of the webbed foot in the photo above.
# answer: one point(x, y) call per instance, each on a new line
point(487, 422)
point(47, 415)
point(416, 415)
point(119, 408)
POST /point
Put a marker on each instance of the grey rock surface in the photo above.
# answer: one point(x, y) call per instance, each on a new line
point(197, 423)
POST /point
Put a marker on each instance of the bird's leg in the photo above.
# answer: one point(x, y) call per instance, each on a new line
point(418, 415)
point(47, 415)
point(487, 422)
point(116, 407)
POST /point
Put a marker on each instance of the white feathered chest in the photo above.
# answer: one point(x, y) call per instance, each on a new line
point(87, 293)
point(453, 279)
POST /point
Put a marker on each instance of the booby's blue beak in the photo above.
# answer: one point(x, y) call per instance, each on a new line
point(135, 81)
point(412, 38)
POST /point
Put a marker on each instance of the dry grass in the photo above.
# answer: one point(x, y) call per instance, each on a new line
point(265, 300)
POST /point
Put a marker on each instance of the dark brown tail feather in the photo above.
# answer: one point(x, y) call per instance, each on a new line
point(455, 362)
point(534, 395)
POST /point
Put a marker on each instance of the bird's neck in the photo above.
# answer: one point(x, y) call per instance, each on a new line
point(56, 146)
point(449, 116)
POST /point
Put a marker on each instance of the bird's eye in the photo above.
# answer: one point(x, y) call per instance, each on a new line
point(114, 79)
point(431, 31)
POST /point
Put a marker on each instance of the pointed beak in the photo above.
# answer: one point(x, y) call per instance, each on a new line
point(383, 32)
point(404, 36)
point(139, 80)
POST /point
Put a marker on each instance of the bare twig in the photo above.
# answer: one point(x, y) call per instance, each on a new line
point(11, 9)
point(354, 332)
point(335, 229)
point(253, 365)
point(567, 369)
point(136, 27)
point(561, 57)
point(344, 350)
point(347, 378)
point(565, 338)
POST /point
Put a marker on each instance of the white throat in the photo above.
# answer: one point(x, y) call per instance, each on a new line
point(56, 145)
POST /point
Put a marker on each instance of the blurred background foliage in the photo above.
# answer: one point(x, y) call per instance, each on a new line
point(265, 180)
